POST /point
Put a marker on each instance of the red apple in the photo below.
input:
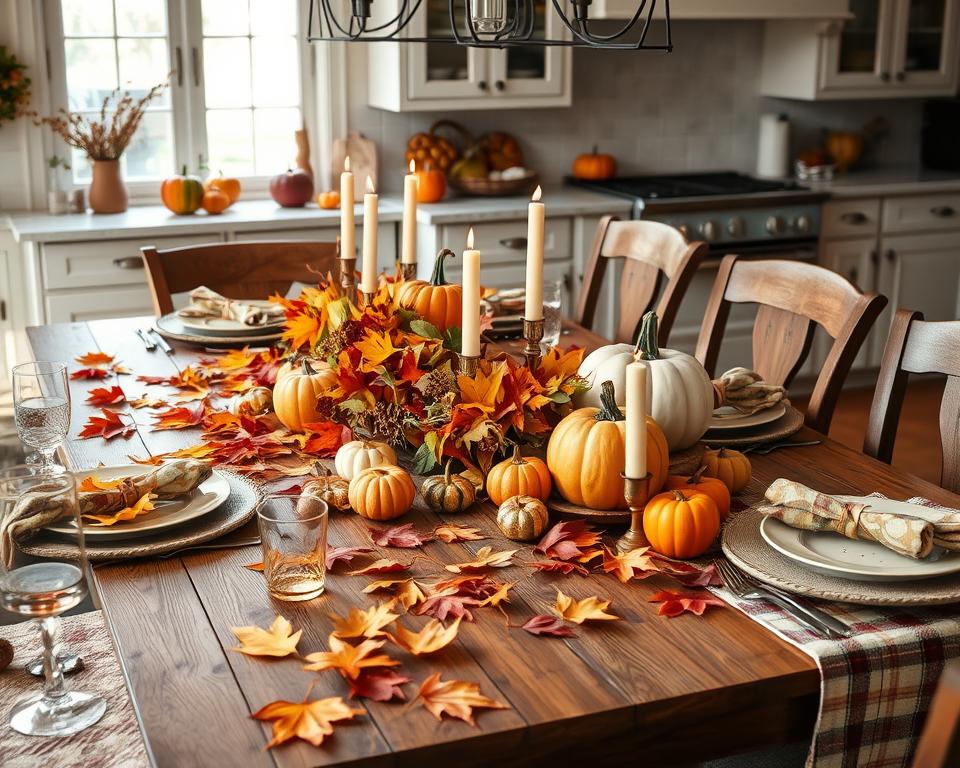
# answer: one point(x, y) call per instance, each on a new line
point(293, 189)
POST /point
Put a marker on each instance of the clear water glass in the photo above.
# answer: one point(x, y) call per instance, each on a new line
point(42, 588)
point(552, 311)
point(293, 532)
point(41, 408)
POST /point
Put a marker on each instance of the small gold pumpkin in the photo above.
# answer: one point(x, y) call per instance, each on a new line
point(254, 402)
point(332, 489)
point(522, 518)
point(447, 493)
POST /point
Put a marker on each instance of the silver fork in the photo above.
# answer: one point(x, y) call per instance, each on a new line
point(812, 618)
point(236, 544)
point(762, 449)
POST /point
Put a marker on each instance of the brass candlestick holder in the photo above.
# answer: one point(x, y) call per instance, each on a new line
point(636, 490)
point(348, 276)
point(467, 365)
point(533, 333)
point(367, 298)
point(408, 271)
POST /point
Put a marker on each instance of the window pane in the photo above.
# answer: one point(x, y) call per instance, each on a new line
point(141, 17)
point(150, 154)
point(144, 64)
point(273, 135)
point(230, 141)
point(91, 71)
point(269, 17)
point(225, 17)
point(275, 72)
point(87, 17)
point(226, 65)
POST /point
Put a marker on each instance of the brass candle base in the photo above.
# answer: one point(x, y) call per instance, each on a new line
point(348, 276)
point(467, 365)
point(533, 333)
point(408, 271)
point(636, 490)
point(367, 298)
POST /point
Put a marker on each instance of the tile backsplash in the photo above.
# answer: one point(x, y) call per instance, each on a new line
point(697, 108)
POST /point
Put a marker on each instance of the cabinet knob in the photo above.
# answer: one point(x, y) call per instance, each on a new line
point(500, 85)
point(943, 211)
point(853, 217)
point(482, 85)
point(514, 243)
point(874, 257)
point(901, 76)
point(890, 254)
point(885, 76)
point(128, 262)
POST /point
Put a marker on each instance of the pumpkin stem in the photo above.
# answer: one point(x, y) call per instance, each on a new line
point(678, 495)
point(609, 410)
point(646, 348)
point(517, 458)
point(184, 172)
point(307, 370)
point(438, 278)
point(446, 472)
point(697, 476)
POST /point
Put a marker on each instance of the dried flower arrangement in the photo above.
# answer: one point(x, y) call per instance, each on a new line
point(14, 85)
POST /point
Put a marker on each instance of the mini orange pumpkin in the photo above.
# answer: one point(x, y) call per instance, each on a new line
point(295, 396)
point(437, 302)
point(381, 493)
point(431, 184)
point(681, 524)
point(182, 194)
point(519, 476)
point(594, 166)
point(226, 184)
point(215, 201)
point(729, 466)
point(329, 200)
point(698, 482)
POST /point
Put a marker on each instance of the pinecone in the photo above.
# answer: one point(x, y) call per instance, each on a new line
point(388, 422)
point(436, 384)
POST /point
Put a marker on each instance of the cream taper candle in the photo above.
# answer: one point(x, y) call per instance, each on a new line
point(638, 374)
point(470, 323)
point(368, 281)
point(533, 308)
point(348, 244)
point(408, 252)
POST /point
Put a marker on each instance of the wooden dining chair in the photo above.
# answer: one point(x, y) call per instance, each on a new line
point(236, 270)
point(917, 346)
point(939, 743)
point(655, 256)
point(793, 297)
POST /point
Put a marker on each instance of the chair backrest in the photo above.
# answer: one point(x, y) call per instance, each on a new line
point(939, 743)
point(653, 254)
point(793, 297)
point(246, 270)
point(916, 346)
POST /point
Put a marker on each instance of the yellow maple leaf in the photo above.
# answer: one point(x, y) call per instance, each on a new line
point(485, 558)
point(623, 564)
point(364, 623)
point(278, 640)
point(556, 367)
point(144, 504)
point(407, 591)
point(430, 639)
point(307, 720)
point(579, 611)
point(92, 483)
point(235, 359)
point(375, 348)
point(483, 390)
point(456, 698)
point(349, 660)
point(502, 595)
point(302, 330)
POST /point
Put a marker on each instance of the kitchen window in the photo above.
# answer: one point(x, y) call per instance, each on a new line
point(238, 90)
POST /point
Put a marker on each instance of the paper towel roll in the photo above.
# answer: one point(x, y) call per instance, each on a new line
point(773, 151)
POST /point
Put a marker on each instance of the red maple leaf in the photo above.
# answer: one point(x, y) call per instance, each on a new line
point(441, 606)
point(567, 540)
point(89, 373)
point(107, 426)
point(408, 368)
point(154, 379)
point(378, 685)
point(551, 626)
point(559, 566)
point(468, 585)
point(325, 438)
point(343, 554)
point(179, 417)
point(403, 536)
point(687, 574)
point(101, 396)
point(674, 603)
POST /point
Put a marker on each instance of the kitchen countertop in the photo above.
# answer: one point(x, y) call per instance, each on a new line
point(889, 181)
point(559, 201)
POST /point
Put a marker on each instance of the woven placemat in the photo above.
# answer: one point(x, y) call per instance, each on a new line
point(113, 742)
point(745, 547)
point(788, 424)
point(237, 510)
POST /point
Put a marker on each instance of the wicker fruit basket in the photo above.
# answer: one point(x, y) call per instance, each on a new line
point(496, 187)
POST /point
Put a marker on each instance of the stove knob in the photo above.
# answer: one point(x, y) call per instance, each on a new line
point(708, 231)
point(803, 225)
point(736, 226)
point(775, 225)
point(684, 230)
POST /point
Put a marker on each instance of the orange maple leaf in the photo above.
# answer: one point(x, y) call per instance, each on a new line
point(303, 329)
point(407, 591)
point(101, 396)
point(376, 348)
point(455, 698)
point(483, 390)
point(307, 720)
point(383, 565)
point(502, 595)
point(92, 484)
point(95, 359)
point(179, 417)
point(450, 533)
point(430, 639)
point(145, 401)
point(485, 558)
point(106, 426)
point(626, 565)
point(579, 611)
point(364, 623)
point(236, 359)
point(278, 640)
point(672, 604)
point(144, 504)
point(349, 660)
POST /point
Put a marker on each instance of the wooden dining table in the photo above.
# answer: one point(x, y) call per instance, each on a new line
point(644, 690)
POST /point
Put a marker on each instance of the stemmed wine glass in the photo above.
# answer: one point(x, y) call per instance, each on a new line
point(41, 408)
point(43, 588)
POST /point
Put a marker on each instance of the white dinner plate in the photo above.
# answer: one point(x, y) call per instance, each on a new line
point(172, 328)
point(728, 417)
point(209, 495)
point(836, 555)
point(219, 326)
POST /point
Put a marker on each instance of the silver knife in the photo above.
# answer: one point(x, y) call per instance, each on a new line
point(821, 617)
point(147, 342)
point(162, 342)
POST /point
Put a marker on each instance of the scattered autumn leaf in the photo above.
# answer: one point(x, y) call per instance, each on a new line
point(407, 591)
point(364, 623)
point(403, 536)
point(579, 611)
point(101, 396)
point(502, 595)
point(384, 565)
point(307, 720)
point(551, 626)
point(430, 639)
point(95, 359)
point(107, 426)
point(378, 685)
point(179, 417)
point(343, 554)
point(485, 558)
point(348, 659)
point(688, 574)
point(636, 564)
point(145, 401)
point(92, 484)
point(82, 374)
point(258, 567)
point(446, 604)
point(674, 603)
point(558, 566)
point(324, 438)
point(450, 533)
point(568, 540)
point(455, 698)
point(144, 504)
point(278, 640)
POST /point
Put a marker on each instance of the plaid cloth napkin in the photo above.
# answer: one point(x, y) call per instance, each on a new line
point(877, 684)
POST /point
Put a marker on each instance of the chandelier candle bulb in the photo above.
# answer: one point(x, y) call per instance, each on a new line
point(368, 279)
point(533, 309)
point(638, 377)
point(470, 325)
point(348, 245)
point(408, 253)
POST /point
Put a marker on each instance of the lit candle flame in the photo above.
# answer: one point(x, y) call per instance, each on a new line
point(370, 188)
point(536, 194)
point(413, 166)
point(470, 239)
point(346, 164)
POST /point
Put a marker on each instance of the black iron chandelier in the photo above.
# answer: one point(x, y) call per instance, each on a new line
point(487, 24)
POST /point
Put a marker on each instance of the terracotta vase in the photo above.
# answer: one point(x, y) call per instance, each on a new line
point(108, 194)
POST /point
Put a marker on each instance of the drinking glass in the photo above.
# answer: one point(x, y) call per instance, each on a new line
point(552, 311)
point(293, 530)
point(43, 588)
point(41, 408)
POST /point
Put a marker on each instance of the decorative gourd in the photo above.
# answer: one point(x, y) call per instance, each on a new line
point(522, 518)
point(357, 455)
point(518, 476)
point(594, 166)
point(699, 482)
point(329, 200)
point(332, 489)
point(431, 183)
point(586, 454)
point(253, 402)
point(681, 524)
point(448, 493)
point(381, 493)
point(226, 184)
point(729, 466)
point(214, 201)
point(295, 396)
point(437, 302)
point(182, 194)
point(680, 392)
point(295, 365)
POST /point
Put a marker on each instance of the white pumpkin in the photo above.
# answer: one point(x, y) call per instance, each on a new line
point(680, 393)
point(357, 455)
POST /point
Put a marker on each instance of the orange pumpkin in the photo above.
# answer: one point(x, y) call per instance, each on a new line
point(595, 166)
point(182, 194)
point(437, 302)
point(295, 396)
point(329, 200)
point(519, 476)
point(431, 184)
point(681, 524)
point(226, 184)
point(731, 467)
point(381, 493)
point(698, 482)
point(215, 201)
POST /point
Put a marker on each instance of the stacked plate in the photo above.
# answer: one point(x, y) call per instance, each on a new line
point(730, 427)
point(216, 332)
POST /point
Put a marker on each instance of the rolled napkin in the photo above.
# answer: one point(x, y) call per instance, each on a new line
point(745, 391)
point(207, 303)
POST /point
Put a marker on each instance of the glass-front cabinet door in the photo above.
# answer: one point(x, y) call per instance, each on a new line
point(444, 70)
point(532, 70)
point(857, 55)
point(925, 43)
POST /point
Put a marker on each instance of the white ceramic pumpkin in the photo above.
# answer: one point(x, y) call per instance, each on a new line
point(680, 396)
point(357, 455)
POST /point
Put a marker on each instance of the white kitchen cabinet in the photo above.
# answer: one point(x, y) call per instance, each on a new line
point(856, 260)
point(79, 306)
point(386, 239)
point(889, 49)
